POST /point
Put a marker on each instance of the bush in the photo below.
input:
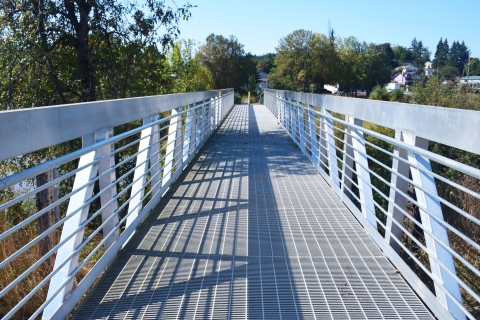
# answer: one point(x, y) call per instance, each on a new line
point(380, 93)
point(397, 95)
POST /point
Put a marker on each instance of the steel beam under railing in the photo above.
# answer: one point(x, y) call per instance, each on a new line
point(378, 175)
point(133, 149)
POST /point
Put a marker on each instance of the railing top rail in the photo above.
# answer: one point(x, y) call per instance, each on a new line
point(28, 130)
point(432, 123)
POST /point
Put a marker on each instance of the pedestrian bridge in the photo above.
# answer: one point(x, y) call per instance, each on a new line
point(305, 207)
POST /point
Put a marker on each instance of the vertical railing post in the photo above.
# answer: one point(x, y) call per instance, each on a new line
point(189, 133)
point(281, 112)
point(109, 188)
point(199, 126)
point(140, 176)
point(83, 182)
point(154, 153)
point(293, 106)
point(211, 116)
point(206, 120)
point(170, 150)
point(400, 172)
point(313, 136)
point(179, 138)
point(357, 141)
point(432, 205)
point(289, 115)
point(328, 133)
point(301, 126)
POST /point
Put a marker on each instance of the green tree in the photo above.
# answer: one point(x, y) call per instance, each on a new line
point(474, 67)
point(266, 62)
point(229, 66)
point(293, 69)
point(71, 43)
point(402, 54)
point(186, 70)
point(324, 60)
point(419, 53)
point(441, 54)
point(458, 56)
point(448, 72)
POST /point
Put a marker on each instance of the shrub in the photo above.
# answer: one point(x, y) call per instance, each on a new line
point(397, 95)
point(379, 93)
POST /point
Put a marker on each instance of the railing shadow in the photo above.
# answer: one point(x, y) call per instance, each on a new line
point(216, 245)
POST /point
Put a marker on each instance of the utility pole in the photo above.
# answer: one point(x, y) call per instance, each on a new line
point(468, 69)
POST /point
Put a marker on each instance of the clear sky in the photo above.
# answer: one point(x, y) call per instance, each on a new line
point(259, 24)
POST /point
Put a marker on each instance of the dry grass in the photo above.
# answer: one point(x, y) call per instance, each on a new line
point(8, 247)
point(13, 270)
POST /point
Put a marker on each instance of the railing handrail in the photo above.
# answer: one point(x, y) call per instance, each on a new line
point(315, 122)
point(429, 122)
point(133, 170)
point(27, 130)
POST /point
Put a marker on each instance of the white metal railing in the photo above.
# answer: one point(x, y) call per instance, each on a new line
point(133, 168)
point(331, 132)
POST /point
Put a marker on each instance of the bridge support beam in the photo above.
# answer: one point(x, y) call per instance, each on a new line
point(107, 184)
point(139, 176)
point(329, 151)
point(175, 123)
point(354, 147)
point(400, 172)
point(430, 213)
point(190, 132)
point(67, 255)
point(429, 223)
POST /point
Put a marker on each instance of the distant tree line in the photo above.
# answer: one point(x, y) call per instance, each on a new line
point(305, 61)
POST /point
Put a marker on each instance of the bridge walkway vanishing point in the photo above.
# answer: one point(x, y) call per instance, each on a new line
point(251, 230)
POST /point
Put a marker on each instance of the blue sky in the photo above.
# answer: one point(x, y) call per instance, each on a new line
point(260, 24)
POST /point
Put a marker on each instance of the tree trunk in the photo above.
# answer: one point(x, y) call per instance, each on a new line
point(43, 199)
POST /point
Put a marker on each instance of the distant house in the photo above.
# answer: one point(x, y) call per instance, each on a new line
point(262, 82)
point(473, 81)
point(429, 69)
point(408, 74)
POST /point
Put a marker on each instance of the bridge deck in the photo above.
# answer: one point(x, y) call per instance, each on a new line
point(251, 231)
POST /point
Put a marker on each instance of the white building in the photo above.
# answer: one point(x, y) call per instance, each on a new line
point(473, 81)
point(262, 82)
point(429, 69)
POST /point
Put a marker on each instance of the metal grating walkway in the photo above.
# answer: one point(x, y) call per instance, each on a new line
point(252, 231)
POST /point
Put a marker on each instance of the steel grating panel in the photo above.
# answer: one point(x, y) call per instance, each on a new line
point(251, 231)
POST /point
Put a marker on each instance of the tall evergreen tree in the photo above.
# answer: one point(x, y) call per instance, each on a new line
point(419, 53)
point(441, 54)
point(462, 56)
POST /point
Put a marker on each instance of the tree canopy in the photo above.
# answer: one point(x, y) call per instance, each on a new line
point(228, 63)
point(306, 61)
point(75, 51)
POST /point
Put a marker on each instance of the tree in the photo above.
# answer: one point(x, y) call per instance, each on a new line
point(402, 54)
point(293, 62)
point(441, 54)
point(72, 43)
point(387, 51)
point(448, 72)
point(474, 67)
point(458, 56)
point(186, 70)
point(230, 67)
point(323, 60)
point(419, 53)
point(379, 66)
point(266, 62)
